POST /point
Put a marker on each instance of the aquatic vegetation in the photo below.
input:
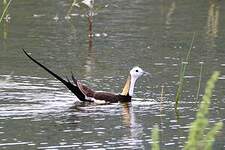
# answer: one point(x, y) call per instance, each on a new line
point(199, 137)
point(155, 138)
point(196, 138)
point(182, 73)
point(88, 5)
point(180, 84)
point(89, 9)
point(82, 5)
point(5, 8)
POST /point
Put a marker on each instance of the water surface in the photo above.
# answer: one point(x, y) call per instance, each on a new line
point(38, 112)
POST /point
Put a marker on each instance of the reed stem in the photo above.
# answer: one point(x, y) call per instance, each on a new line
point(161, 98)
point(5, 8)
point(199, 80)
point(182, 73)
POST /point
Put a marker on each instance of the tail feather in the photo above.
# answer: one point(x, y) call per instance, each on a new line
point(74, 80)
point(74, 89)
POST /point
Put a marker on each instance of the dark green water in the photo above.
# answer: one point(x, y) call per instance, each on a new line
point(38, 112)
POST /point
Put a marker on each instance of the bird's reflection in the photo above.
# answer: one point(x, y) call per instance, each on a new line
point(134, 130)
point(129, 120)
point(127, 114)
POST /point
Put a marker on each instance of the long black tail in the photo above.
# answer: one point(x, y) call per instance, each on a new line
point(74, 89)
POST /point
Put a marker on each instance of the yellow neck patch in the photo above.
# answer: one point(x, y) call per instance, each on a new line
point(126, 87)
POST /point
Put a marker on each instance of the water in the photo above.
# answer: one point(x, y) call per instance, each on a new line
point(38, 112)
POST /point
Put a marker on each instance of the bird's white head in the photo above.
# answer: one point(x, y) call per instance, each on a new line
point(137, 72)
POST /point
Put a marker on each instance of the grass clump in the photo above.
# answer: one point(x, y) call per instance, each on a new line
point(198, 137)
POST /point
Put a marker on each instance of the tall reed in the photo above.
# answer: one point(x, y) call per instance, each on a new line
point(182, 73)
point(198, 137)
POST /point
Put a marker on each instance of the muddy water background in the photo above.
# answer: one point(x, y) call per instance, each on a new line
point(37, 112)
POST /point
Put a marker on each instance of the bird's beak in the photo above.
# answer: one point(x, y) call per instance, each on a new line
point(147, 74)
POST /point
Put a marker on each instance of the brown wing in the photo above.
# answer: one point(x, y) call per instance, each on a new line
point(85, 90)
point(106, 96)
point(111, 97)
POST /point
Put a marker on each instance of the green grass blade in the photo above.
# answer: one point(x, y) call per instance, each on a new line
point(155, 138)
point(5, 10)
point(199, 81)
point(182, 73)
point(210, 136)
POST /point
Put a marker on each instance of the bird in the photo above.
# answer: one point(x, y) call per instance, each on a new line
point(86, 94)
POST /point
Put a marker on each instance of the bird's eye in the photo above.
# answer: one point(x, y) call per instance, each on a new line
point(136, 70)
